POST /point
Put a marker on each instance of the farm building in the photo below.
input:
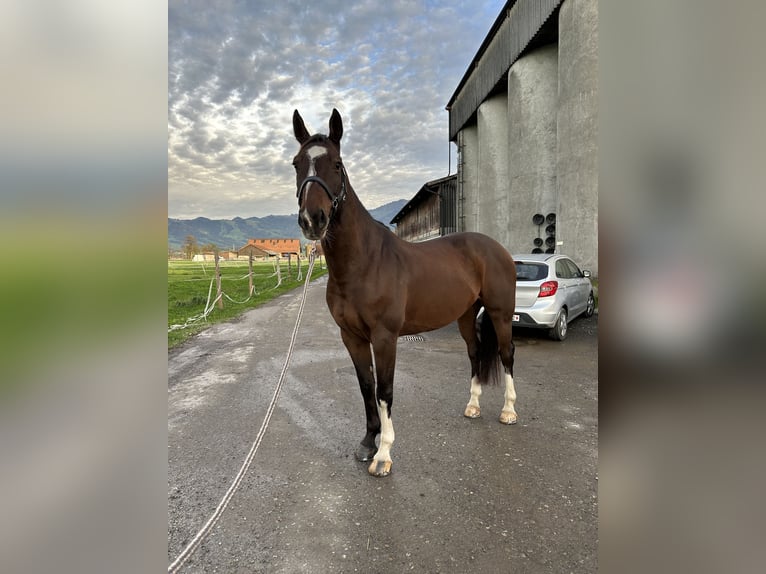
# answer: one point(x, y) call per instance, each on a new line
point(524, 118)
point(430, 213)
point(283, 247)
point(204, 256)
point(256, 252)
point(222, 256)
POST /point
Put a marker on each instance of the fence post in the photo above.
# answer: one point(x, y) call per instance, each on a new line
point(218, 282)
point(250, 272)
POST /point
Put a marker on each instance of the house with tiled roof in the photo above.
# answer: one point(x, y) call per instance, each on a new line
point(284, 247)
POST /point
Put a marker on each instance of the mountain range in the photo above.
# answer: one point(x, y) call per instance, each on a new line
point(234, 233)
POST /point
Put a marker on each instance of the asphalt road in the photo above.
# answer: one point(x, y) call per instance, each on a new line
point(464, 495)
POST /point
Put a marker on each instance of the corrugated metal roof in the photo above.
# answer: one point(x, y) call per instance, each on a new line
point(514, 29)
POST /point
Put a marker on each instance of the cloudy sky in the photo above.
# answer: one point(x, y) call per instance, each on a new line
point(238, 69)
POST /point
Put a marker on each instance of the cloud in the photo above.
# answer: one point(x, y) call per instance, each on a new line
point(237, 70)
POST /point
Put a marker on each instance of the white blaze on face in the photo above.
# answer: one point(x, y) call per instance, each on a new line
point(315, 152)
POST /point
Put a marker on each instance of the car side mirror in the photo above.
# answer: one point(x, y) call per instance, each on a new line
point(586, 273)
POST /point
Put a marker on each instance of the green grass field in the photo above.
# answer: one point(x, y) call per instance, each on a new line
point(189, 283)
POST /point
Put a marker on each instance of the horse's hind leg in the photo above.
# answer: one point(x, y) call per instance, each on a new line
point(508, 414)
point(503, 328)
point(467, 327)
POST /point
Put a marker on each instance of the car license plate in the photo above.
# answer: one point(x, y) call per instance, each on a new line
point(515, 318)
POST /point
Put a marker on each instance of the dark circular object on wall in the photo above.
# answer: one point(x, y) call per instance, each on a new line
point(551, 229)
point(550, 241)
point(538, 219)
point(538, 241)
point(550, 250)
point(537, 250)
point(551, 218)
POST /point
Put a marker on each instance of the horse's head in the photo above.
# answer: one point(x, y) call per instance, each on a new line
point(320, 176)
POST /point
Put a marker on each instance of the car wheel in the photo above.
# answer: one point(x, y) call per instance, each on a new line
point(590, 306)
point(559, 331)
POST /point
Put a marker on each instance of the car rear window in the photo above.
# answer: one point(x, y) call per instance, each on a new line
point(531, 271)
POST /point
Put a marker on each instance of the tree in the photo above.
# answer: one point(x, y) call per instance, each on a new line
point(190, 247)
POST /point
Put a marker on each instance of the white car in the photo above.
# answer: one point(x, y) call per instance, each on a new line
point(551, 291)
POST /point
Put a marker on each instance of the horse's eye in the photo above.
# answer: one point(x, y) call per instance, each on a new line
point(337, 165)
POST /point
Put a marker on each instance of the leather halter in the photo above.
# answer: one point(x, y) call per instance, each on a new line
point(336, 199)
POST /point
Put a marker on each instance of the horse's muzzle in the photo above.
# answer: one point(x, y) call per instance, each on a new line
point(314, 226)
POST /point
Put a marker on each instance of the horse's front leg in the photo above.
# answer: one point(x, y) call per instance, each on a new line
point(361, 356)
point(384, 347)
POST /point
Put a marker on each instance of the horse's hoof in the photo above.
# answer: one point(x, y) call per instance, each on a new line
point(380, 468)
point(472, 412)
point(508, 418)
point(365, 453)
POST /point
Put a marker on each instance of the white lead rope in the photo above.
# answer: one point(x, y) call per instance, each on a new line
point(205, 530)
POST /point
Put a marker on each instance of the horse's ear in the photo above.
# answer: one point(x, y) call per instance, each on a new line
point(299, 128)
point(336, 128)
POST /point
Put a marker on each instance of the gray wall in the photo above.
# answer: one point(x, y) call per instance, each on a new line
point(534, 148)
point(577, 129)
point(493, 167)
point(532, 89)
point(468, 179)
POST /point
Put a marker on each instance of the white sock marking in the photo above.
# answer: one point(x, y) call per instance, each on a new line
point(475, 392)
point(510, 394)
point(386, 432)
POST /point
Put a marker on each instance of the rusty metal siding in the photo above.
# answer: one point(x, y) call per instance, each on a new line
point(499, 51)
point(448, 207)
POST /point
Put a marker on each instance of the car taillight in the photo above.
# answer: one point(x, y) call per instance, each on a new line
point(548, 288)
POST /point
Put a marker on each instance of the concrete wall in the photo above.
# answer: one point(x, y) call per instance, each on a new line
point(534, 149)
point(468, 179)
point(532, 103)
point(493, 168)
point(577, 165)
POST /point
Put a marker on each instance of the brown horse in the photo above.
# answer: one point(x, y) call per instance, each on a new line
point(381, 287)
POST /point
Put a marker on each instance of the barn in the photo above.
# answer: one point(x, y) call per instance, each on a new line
point(524, 119)
point(430, 213)
point(282, 247)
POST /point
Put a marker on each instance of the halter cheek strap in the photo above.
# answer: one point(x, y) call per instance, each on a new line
point(336, 199)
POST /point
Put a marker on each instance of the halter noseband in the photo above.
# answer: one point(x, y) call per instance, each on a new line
point(336, 199)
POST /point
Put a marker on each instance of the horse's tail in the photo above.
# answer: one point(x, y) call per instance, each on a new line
point(488, 353)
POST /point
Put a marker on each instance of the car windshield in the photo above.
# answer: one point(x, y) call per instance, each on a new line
point(531, 271)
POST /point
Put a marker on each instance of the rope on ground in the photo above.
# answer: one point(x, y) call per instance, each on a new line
point(208, 308)
point(235, 301)
point(209, 305)
point(211, 522)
